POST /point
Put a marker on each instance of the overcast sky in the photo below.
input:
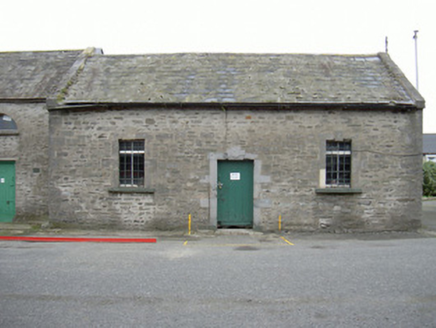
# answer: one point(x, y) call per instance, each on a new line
point(268, 26)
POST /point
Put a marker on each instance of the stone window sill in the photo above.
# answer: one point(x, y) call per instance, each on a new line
point(131, 190)
point(338, 191)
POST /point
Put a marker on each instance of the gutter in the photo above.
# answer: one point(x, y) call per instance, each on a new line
point(22, 100)
point(54, 106)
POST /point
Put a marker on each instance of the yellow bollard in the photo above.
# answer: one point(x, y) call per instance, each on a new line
point(189, 224)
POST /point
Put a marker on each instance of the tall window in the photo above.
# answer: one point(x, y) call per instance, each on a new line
point(338, 164)
point(131, 163)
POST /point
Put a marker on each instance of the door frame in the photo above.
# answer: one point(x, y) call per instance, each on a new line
point(236, 154)
point(244, 213)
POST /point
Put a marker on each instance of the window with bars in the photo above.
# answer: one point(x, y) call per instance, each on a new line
point(131, 163)
point(338, 164)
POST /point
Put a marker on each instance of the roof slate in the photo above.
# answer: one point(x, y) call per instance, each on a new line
point(429, 144)
point(241, 78)
point(33, 75)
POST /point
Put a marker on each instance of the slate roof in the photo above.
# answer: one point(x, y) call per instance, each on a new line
point(429, 144)
point(32, 75)
point(227, 78)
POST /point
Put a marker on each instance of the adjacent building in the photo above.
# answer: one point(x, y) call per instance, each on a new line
point(26, 79)
point(429, 147)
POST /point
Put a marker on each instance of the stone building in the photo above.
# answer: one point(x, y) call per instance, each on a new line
point(325, 142)
point(26, 79)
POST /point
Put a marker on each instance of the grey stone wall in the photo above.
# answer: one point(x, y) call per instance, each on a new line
point(29, 149)
point(288, 150)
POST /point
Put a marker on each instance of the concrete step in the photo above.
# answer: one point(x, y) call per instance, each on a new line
point(236, 232)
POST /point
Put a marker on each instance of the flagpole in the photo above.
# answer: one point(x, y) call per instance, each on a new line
point(415, 36)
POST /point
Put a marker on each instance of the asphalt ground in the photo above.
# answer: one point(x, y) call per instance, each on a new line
point(249, 280)
point(223, 279)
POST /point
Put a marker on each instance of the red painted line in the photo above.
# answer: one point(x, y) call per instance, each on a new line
point(78, 239)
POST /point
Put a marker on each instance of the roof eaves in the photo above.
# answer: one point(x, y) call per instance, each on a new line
point(351, 106)
point(22, 100)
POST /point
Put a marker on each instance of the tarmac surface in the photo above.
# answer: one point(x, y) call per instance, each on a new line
point(223, 278)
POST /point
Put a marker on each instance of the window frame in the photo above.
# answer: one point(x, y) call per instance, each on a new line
point(131, 160)
point(338, 160)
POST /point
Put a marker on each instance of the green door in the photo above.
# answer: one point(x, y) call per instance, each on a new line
point(235, 193)
point(7, 191)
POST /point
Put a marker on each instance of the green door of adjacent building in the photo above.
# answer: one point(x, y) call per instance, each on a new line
point(7, 191)
point(235, 194)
